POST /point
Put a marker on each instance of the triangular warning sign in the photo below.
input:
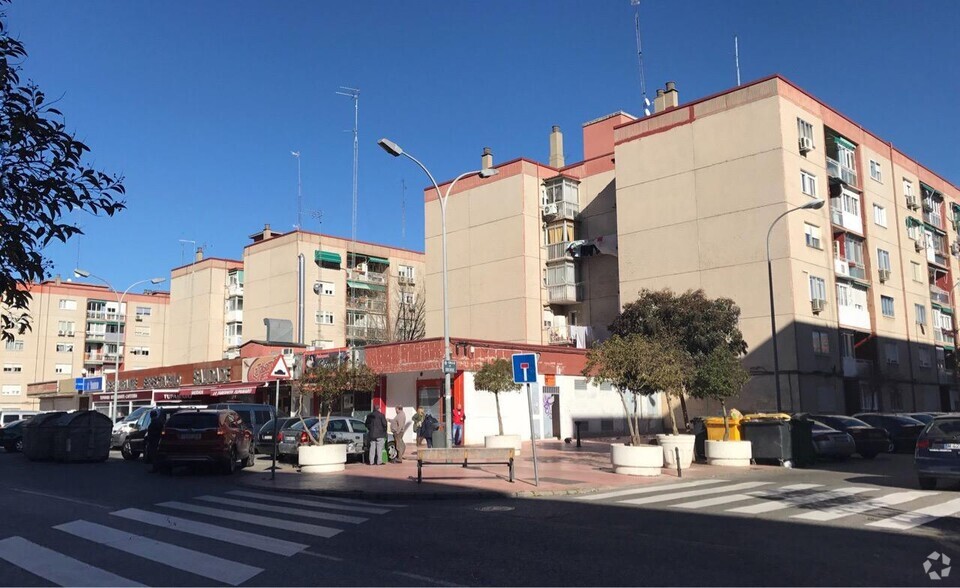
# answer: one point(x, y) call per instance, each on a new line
point(280, 371)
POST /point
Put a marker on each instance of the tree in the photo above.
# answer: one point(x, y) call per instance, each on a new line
point(411, 321)
point(495, 377)
point(691, 320)
point(640, 366)
point(328, 382)
point(42, 176)
point(720, 376)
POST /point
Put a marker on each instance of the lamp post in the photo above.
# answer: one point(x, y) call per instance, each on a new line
point(812, 205)
point(395, 150)
point(116, 361)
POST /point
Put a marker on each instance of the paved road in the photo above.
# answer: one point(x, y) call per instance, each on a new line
point(115, 524)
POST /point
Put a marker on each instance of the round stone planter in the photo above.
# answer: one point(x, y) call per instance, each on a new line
point(636, 460)
point(500, 441)
point(729, 453)
point(669, 445)
point(322, 459)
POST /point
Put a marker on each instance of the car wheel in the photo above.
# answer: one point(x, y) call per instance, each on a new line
point(927, 483)
point(18, 446)
point(891, 448)
point(868, 455)
point(127, 452)
point(392, 451)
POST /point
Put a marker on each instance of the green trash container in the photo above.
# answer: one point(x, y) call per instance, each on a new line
point(770, 436)
point(801, 441)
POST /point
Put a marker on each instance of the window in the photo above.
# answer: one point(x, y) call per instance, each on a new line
point(808, 183)
point(880, 215)
point(907, 188)
point(805, 131)
point(875, 171)
point(883, 259)
point(64, 347)
point(143, 351)
point(66, 327)
point(821, 342)
point(886, 304)
point(15, 345)
point(921, 312)
point(851, 203)
point(409, 298)
point(12, 368)
point(143, 311)
point(324, 318)
point(580, 384)
point(406, 271)
point(233, 329)
point(923, 357)
point(813, 235)
point(892, 353)
point(917, 271)
point(235, 278)
point(913, 230)
point(844, 297)
point(818, 288)
point(560, 233)
point(63, 368)
point(10, 390)
point(142, 331)
point(68, 304)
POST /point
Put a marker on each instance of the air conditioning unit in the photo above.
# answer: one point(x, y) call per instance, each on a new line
point(912, 203)
point(139, 319)
point(806, 144)
point(919, 245)
point(817, 304)
point(61, 333)
point(69, 333)
point(884, 275)
point(550, 209)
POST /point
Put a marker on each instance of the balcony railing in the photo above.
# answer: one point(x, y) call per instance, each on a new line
point(93, 357)
point(939, 295)
point(370, 277)
point(233, 316)
point(933, 217)
point(233, 340)
point(366, 333)
point(560, 336)
point(857, 368)
point(558, 251)
point(849, 269)
point(103, 315)
point(846, 175)
point(560, 210)
point(95, 336)
point(367, 305)
point(234, 290)
point(564, 294)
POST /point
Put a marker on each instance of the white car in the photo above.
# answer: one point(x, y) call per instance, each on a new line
point(346, 430)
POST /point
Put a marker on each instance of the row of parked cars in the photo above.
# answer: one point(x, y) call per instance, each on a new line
point(292, 432)
point(867, 434)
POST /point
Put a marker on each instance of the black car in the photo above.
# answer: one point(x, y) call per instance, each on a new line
point(938, 451)
point(135, 443)
point(869, 440)
point(903, 430)
point(264, 441)
point(11, 436)
point(924, 417)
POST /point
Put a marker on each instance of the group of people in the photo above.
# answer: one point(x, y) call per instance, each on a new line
point(424, 426)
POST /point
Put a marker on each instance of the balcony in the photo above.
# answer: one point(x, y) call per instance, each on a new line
point(233, 316)
point(939, 295)
point(944, 336)
point(93, 358)
point(232, 340)
point(848, 221)
point(234, 290)
point(932, 216)
point(560, 210)
point(366, 333)
point(558, 252)
point(560, 336)
point(857, 368)
point(105, 315)
point(844, 174)
point(95, 336)
point(113, 337)
point(367, 305)
point(849, 269)
point(564, 293)
point(368, 277)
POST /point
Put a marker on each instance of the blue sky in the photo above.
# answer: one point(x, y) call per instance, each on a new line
point(199, 104)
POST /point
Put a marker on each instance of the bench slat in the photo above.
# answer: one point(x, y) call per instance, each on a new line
point(464, 454)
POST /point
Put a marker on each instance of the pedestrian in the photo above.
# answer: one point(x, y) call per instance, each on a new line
point(458, 425)
point(377, 429)
point(154, 431)
point(430, 424)
point(398, 426)
point(417, 423)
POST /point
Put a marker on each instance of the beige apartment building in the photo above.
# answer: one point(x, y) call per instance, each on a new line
point(332, 293)
point(78, 329)
point(864, 287)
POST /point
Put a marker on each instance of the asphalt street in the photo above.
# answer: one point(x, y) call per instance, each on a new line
point(114, 523)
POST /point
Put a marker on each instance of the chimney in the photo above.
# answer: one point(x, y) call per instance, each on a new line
point(263, 235)
point(556, 147)
point(658, 101)
point(671, 98)
point(57, 279)
point(198, 256)
point(486, 160)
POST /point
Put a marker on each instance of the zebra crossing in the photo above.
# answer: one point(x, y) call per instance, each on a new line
point(192, 537)
point(873, 507)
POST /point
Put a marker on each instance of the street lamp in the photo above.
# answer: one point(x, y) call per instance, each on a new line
point(116, 361)
point(812, 205)
point(395, 150)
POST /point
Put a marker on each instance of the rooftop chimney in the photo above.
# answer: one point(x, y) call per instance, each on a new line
point(658, 101)
point(57, 279)
point(556, 147)
point(671, 98)
point(486, 160)
point(198, 256)
point(263, 235)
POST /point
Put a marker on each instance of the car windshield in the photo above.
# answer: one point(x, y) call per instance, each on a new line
point(310, 421)
point(902, 420)
point(820, 427)
point(358, 426)
point(844, 421)
point(944, 428)
point(923, 418)
point(194, 420)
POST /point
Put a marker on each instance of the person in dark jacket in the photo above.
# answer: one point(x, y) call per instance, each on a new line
point(428, 427)
point(377, 430)
point(154, 430)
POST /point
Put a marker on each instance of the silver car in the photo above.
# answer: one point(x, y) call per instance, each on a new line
point(828, 442)
point(346, 430)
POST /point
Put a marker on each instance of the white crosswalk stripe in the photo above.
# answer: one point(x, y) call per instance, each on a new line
point(305, 502)
point(56, 567)
point(690, 493)
point(845, 510)
point(284, 524)
point(921, 516)
point(791, 501)
point(187, 560)
point(300, 512)
point(718, 500)
point(632, 491)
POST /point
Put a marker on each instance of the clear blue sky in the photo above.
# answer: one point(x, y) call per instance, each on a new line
point(199, 104)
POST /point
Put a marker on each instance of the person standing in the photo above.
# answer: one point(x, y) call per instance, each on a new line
point(429, 426)
point(398, 426)
point(417, 424)
point(377, 429)
point(458, 425)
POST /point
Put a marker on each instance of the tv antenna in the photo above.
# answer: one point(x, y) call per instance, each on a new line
point(736, 56)
point(643, 80)
point(354, 93)
point(299, 192)
point(403, 209)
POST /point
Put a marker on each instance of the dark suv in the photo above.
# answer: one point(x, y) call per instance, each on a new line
point(217, 437)
point(938, 451)
point(903, 430)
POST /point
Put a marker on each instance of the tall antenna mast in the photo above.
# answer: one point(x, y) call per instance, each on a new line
point(736, 56)
point(355, 94)
point(403, 209)
point(643, 79)
point(299, 193)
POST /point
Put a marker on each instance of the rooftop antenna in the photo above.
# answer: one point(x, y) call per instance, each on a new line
point(299, 193)
point(736, 56)
point(643, 80)
point(355, 94)
point(184, 242)
point(317, 215)
point(403, 209)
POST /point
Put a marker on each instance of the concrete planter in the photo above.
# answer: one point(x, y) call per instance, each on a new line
point(322, 459)
point(669, 444)
point(636, 460)
point(499, 441)
point(729, 453)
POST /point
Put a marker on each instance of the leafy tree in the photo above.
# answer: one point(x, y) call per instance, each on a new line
point(41, 176)
point(720, 376)
point(691, 320)
point(640, 366)
point(328, 382)
point(496, 376)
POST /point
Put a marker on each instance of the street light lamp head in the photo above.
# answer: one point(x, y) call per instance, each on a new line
point(157, 280)
point(813, 204)
point(79, 273)
point(489, 172)
point(390, 147)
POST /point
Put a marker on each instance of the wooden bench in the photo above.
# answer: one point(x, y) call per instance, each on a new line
point(462, 456)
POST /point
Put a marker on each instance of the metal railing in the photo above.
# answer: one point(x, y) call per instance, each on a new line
point(561, 210)
point(558, 251)
point(370, 277)
point(564, 294)
point(560, 336)
point(367, 304)
point(366, 333)
point(93, 357)
point(836, 170)
point(939, 295)
point(103, 315)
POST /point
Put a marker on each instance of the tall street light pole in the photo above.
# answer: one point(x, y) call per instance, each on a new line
point(812, 205)
point(116, 361)
point(395, 150)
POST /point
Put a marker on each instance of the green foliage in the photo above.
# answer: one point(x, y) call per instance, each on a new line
point(496, 376)
point(719, 376)
point(328, 382)
point(42, 177)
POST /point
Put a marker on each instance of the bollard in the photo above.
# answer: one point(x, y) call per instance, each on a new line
point(577, 424)
point(676, 452)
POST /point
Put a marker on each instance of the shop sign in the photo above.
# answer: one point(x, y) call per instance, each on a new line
point(162, 381)
point(166, 396)
point(124, 396)
point(217, 375)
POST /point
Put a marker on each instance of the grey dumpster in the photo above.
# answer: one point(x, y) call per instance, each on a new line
point(83, 436)
point(38, 436)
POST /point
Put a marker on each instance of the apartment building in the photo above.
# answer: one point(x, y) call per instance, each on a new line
point(332, 292)
point(864, 287)
point(78, 329)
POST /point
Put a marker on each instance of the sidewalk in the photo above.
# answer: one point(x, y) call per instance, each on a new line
point(564, 469)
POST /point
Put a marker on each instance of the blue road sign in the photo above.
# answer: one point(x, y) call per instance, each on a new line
point(93, 384)
point(78, 384)
point(525, 368)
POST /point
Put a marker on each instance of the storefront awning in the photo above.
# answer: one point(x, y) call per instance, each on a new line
point(372, 259)
point(365, 286)
point(235, 390)
point(326, 257)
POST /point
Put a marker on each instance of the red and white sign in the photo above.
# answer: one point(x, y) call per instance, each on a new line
point(280, 371)
point(218, 391)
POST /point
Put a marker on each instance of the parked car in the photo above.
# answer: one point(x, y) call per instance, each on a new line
point(135, 443)
point(293, 436)
point(123, 428)
point(218, 437)
point(937, 455)
point(903, 430)
point(264, 441)
point(11, 436)
point(829, 442)
point(253, 415)
point(9, 416)
point(869, 440)
point(924, 417)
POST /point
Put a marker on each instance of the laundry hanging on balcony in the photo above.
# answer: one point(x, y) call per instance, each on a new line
point(604, 245)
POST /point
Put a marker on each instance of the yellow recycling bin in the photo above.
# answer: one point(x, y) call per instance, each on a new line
point(715, 428)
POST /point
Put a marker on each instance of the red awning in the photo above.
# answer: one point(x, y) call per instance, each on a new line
point(234, 390)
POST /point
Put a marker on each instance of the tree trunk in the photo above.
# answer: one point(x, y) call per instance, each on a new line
point(726, 424)
point(683, 408)
point(496, 396)
point(634, 436)
point(673, 417)
point(322, 433)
